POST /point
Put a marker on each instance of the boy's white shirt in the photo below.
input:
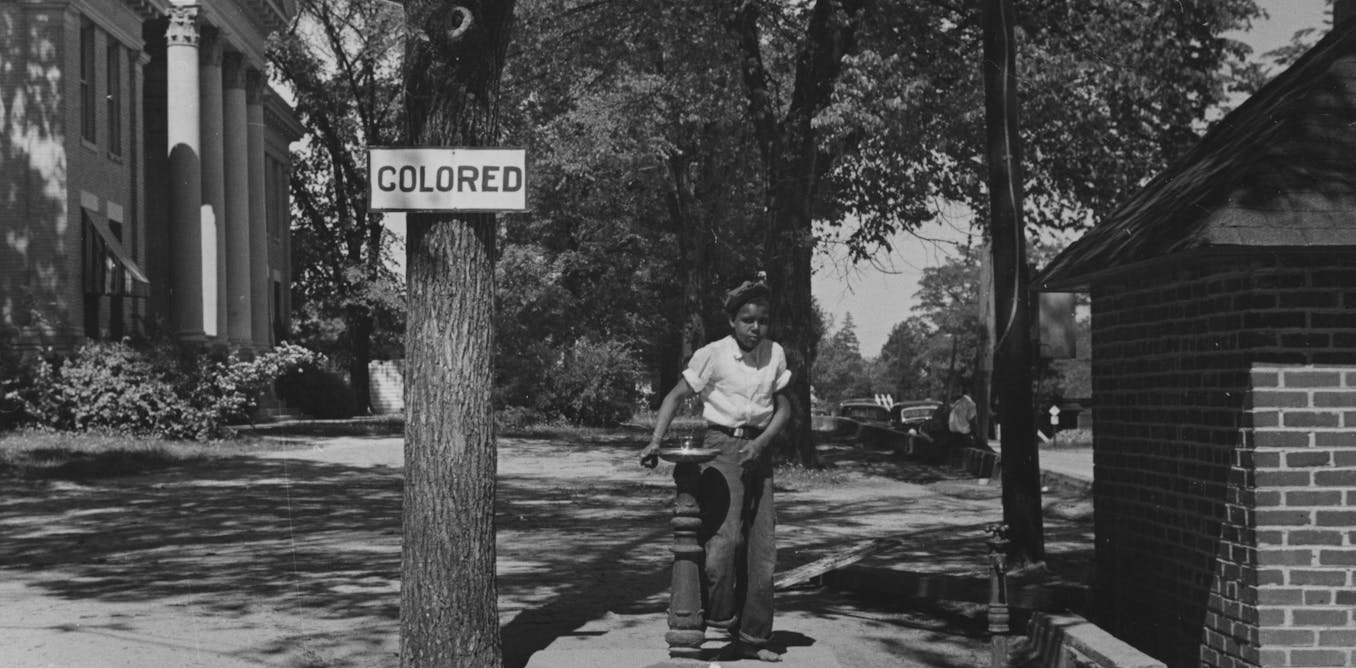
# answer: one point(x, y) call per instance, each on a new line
point(737, 387)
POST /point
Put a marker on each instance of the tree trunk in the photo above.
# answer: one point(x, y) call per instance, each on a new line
point(360, 328)
point(448, 613)
point(787, 256)
point(448, 607)
point(693, 264)
point(1012, 368)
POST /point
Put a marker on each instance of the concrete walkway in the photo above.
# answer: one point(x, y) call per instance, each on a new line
point(1070, 468)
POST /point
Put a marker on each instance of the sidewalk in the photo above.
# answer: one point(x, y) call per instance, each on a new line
point(1067, 468)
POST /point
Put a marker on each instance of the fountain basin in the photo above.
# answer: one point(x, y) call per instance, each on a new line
point(688, 455)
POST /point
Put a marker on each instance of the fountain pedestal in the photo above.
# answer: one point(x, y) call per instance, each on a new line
point(687, 629)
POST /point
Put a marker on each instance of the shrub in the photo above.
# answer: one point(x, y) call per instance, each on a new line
point(594, 383)
point(111, 386)
point(165, 391)
point(18, 373)
point(517, 418)
point(318, 392)
point(230, 388)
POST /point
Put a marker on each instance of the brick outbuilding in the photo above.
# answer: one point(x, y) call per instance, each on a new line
point(1224, 384)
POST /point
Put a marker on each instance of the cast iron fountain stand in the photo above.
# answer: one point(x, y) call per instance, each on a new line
point(686, 627)
point(999, 628)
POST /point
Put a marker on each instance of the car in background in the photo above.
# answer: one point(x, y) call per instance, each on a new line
point(864, 410)
point(906, 415)
point(901, 415)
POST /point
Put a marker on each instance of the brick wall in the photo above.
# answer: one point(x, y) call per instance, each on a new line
point(1210, 483)
point(35, 302)
point(1304, 442)
point(52, 172)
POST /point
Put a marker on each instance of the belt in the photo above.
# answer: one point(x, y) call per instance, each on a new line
point(736, 432)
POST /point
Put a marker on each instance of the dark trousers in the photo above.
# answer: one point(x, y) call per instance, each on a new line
point(738, 527)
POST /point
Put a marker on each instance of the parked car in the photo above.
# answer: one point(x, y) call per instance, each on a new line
point(863, 410)
point(907, 415)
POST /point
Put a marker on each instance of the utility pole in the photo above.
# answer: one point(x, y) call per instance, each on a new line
point(1012, 366)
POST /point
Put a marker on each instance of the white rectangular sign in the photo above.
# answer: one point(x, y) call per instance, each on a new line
point(447, 179)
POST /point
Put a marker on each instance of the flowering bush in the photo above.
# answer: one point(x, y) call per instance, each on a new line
point(167, 392)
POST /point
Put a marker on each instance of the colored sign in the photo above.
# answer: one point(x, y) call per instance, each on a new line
point(447, 179)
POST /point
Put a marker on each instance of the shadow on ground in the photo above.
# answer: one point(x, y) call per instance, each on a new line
point(582, 533)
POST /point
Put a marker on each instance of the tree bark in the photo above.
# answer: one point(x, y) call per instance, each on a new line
point(448, 611)
point(692, 264)
point(1012, 368)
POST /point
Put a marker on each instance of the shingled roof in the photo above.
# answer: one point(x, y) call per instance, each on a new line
point(1278, 171)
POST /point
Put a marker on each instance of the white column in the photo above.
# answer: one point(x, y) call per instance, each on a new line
point(213, 186)
point(259, 321)
point(238, 311)
point(186, 286)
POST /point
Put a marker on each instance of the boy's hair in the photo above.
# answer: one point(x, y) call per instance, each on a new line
point(748, 291)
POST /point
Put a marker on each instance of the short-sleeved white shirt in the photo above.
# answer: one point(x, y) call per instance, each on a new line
point(962, 412)
point(737, 387)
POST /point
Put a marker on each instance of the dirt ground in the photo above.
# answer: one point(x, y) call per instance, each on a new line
point(291, 557)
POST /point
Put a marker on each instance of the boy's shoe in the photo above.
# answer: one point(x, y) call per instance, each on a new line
point(743, 650)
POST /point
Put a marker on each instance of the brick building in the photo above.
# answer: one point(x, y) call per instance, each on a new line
point(143, 172)
point(1224, 382)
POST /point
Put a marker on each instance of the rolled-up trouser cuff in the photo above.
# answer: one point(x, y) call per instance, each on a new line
point(753, 642)
point(728, 624)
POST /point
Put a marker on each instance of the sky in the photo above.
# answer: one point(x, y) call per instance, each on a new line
point(880, 296)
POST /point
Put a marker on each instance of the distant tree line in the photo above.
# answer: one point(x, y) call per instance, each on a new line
point(934, 348)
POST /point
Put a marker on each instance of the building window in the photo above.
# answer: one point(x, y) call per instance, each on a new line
point(111, 278)
point(88, 120)
point(104, 282)
point(114, 97)
point(277, 318)
point(275, 193)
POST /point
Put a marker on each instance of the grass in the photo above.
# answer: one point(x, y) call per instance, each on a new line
point(794, 475)
point(49, 454)
point(363, 425)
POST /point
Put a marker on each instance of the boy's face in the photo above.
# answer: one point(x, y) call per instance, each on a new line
point(750, 324)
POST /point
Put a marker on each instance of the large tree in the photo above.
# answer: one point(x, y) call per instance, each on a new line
point(341, 61)
point(787, 87)
point(454, 56)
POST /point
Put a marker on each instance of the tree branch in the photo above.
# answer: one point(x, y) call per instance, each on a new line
point(830, 35)
point(756, 79)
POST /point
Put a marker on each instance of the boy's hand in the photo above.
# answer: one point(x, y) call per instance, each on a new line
point(649, 456)
point(750, 452)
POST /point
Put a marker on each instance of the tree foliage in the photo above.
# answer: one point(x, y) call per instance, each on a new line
point(341, 60)
point(839, 371)
point(677, 148)
point(642, 213)
point(1094, 126)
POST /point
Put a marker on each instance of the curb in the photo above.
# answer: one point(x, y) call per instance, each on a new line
point(1070, 640)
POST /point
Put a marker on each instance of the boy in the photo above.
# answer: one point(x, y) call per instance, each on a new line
point(739, 378)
